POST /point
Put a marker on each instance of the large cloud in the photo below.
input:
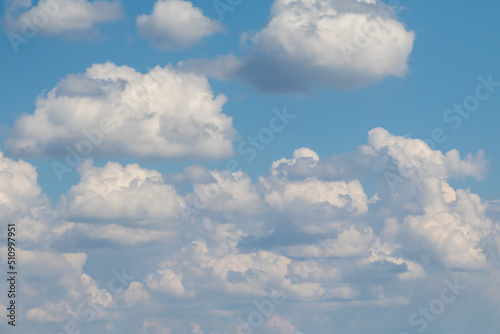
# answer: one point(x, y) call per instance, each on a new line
point(115, 110)
point(339, 43)
point(310, 233)
point(67, 17)
point(176, 23)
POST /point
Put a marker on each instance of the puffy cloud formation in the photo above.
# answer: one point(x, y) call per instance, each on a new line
point(22, 201)
point(176, 23)
point(120, 193)
point(310, 239)
point(55, 288)
point(339, 43)
point(115, 110)
point(67, 17)
point(452, 223)
point(19, 190)
point(414, 156)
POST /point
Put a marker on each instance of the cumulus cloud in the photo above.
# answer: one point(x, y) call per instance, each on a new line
point(453, 224)
point(313, 192)
point(166, 281)
point(305, 231)
point(414, 156)
point(67, 17)
point(19, 189)
point(176, 23)
point(122, 205)
point(116, 111)
point(135, 294)
point(338, 43)
point(55, 284)
point(49, 312)
point(114, 192)
point(23, 203)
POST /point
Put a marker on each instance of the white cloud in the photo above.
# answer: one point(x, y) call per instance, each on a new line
point(115, 110)
point(294, 195)
point(227, 193)
point(305, 230)
point(114, 192)
point(196, 328)
point(176, 23)
point(455, 226)
point(415, 159)
point(135, 294)
point(339, 43)
point(54, 285)
point(22, 203)
point(166, 280)
point(232, 272)
point(50, 312)
point(19, 190)
point(67, 17)
point(120, 205)
point(349, 243)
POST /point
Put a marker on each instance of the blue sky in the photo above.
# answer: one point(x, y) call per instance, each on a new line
point(448, 56)
point(427, 58)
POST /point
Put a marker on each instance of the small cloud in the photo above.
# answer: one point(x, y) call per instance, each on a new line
point(176, 23)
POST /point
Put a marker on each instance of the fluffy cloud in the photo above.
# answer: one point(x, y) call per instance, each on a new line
point(19, 190)
point(54, 284)
point(452, 223)
point(339, 43)
point(23, 203)
point(166, 281)
point(415, 159)
point(176, 23)
point(67, 17)
point(115, 110)
point(135, 294)
point(122, 205)
point(349, 195)
point(309, 231)
point(120, 193)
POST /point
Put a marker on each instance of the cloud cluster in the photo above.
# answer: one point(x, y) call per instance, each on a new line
point(176, 23)
point(116, 111)
point(308, 231)
point(339, 43)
